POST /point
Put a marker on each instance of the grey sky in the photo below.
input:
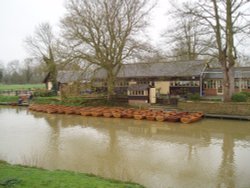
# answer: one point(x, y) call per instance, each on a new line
point(18, 19)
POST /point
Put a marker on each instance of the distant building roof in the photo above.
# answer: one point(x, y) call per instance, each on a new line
point(216, 73)
point(72, 76)
point(167, 69)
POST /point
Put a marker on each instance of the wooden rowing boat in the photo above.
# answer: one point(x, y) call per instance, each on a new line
point(192, 117)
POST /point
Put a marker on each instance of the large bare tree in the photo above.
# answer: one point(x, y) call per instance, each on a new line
point(226, 23)
point(185, 39)
point(43, 46)
point(103, 32)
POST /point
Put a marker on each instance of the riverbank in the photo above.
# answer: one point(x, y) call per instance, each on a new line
point(23, 176)
point(215, 109)
point(218, 108)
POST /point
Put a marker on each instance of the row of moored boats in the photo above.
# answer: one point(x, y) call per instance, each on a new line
point(119, 112)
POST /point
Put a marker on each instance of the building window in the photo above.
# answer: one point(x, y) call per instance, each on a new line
point(137, 93)
point(211, 84)
point(236, 84)
point(185, 83)
point(121, 84)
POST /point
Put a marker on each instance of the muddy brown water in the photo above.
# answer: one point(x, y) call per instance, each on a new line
point(209, 153)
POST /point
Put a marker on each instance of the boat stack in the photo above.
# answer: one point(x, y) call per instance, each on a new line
point(119, 112)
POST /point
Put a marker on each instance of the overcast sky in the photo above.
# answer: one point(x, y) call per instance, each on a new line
point(18, 19)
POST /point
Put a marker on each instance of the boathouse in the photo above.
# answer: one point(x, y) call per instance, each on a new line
point(143, 82)
point(146, 82)
point(73, 82)
point(213, 80)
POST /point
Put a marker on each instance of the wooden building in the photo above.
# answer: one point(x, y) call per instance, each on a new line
point(72, 83)
point(145, 82)
point(213, 81)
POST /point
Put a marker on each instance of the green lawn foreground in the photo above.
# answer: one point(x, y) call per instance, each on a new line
point(21, 176)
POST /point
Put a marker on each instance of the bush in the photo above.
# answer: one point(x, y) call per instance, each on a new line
point(239, 97)
point(45, 93)
point(46, 100)
point(246, 93)
point(193, 96)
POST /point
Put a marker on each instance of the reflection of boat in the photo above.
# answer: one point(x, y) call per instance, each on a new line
point(192, 117)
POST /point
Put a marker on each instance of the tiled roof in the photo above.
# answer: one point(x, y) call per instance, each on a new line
point(216, 73)
point(71, 76)
point(168, 69)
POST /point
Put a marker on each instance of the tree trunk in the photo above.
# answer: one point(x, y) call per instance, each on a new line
point(110, 84)
point(228, 83)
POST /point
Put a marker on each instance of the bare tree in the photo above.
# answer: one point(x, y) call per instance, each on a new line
point(225, 21)
point(27, 70)
point(103, 32)
point(1, 71)
point(43, 45)
point(12, 72)
point(185, 40)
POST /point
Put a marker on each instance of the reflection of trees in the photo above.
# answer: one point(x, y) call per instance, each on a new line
point(227, 168)
point(54, 139)
point(108, 158)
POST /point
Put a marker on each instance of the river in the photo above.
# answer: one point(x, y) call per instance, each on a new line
point(208, 153)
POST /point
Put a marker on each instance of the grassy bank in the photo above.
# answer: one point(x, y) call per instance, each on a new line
point(209, 107)
point(21, 86)
point(19, 177)
point(8, 99)
point(73, 101)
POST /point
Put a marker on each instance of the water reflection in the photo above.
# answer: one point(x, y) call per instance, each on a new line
point(211, 152)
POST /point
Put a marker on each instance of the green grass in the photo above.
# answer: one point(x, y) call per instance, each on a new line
point(73, 101)
point(8, 98)
point(25, 177)
point(21, 86)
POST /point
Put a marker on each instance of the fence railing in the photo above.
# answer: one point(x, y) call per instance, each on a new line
point(14, 92)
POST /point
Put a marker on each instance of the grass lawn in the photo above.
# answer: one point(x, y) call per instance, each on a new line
point(21, 86)
point(8, 98)
point(19, 177)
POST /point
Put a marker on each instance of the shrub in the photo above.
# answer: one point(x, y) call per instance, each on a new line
point(193, 96)
point(246, 93)
point(44, 93)
point(46, 100)
point(239, 97)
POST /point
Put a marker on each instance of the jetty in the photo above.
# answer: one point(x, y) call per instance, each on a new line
point(225, 116)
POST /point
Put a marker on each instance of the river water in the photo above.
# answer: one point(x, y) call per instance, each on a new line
point(209, 153)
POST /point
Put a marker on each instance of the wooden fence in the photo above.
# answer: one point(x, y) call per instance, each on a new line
point(14, 92)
